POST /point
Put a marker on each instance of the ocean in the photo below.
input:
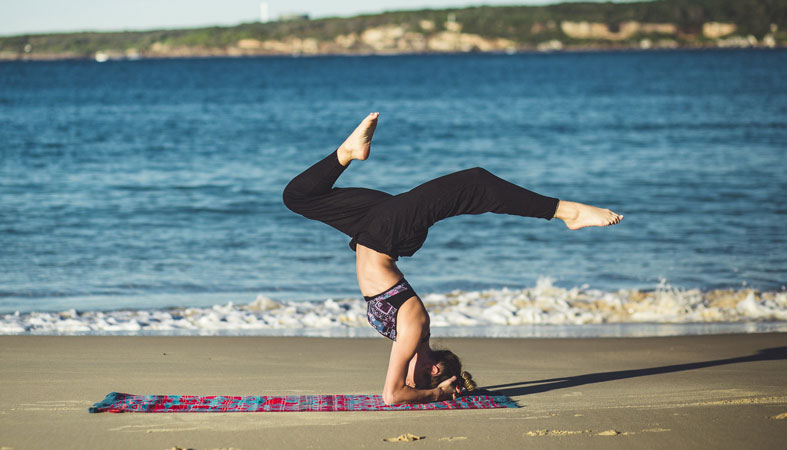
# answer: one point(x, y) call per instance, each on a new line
point(145, 196)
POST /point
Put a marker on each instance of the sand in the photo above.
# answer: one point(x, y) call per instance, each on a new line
point(725, 391)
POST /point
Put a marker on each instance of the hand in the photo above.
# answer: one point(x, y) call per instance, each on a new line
point(446, 390)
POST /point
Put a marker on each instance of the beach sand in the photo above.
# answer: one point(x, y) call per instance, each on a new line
point(725, 391)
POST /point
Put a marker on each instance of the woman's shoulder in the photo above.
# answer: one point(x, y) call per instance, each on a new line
point(412, 318)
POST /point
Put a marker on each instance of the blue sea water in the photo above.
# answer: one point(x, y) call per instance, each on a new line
point(157, 183)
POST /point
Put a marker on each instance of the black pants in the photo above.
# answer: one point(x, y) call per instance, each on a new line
point(397, 225)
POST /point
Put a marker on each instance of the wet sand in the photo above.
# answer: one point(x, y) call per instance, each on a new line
point(725, 391)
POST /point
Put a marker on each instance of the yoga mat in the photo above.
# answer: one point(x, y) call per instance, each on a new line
point(116, 402)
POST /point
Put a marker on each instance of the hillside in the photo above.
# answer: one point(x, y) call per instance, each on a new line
point(651, 24)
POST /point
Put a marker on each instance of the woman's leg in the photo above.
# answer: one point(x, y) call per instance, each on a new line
point(408, 216)
point(476, 191)
point(312, 194)
point(471, 191)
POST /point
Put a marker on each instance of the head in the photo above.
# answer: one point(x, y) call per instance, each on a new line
point(439, 365)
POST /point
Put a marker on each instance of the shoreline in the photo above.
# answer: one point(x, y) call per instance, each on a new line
point(523, 51)
point(722, 391)
point(503, 332)
point(544, 310)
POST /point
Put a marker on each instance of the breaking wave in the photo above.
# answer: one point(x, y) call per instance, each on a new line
point(486, 313)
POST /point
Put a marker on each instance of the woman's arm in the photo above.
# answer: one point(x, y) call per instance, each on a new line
point(412, 321)
point(396, 391)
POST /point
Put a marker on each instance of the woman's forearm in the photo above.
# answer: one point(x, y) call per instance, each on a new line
point(409, 395)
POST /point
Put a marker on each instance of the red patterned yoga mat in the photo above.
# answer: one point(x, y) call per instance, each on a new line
point(116, 402)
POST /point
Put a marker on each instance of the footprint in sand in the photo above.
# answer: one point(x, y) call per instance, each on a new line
point(573, 394)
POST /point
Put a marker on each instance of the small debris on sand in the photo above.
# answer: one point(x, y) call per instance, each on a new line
point(404, 438)
point(453, 438)
point(781, 416)
point(609, 433)
point(555, 432)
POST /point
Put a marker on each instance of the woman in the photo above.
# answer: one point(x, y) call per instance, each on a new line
point(384, 227)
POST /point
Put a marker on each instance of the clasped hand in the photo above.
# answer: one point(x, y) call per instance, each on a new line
point(447, 391)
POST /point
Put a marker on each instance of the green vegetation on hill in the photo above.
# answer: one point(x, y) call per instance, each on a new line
point(752, 16)
point(526, 26)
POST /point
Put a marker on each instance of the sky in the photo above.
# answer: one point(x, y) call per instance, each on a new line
point(46, 16)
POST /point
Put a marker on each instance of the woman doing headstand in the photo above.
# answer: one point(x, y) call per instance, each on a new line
point(384, 227)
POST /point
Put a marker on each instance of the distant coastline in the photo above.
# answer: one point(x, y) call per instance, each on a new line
point(666, 24)
point(197, 53)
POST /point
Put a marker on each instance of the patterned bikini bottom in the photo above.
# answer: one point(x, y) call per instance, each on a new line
point(381, 309)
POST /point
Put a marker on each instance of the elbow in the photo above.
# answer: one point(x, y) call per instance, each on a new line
point(390, 397)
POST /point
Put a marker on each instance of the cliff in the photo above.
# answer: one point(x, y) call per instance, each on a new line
point(654, 24)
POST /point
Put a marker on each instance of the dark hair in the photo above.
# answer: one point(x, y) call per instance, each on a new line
point(450, 366)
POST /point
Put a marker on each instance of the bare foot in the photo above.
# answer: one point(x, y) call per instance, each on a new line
point(358, 144)
point(578, 215)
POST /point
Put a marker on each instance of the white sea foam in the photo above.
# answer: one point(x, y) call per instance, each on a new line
point(483, 312)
